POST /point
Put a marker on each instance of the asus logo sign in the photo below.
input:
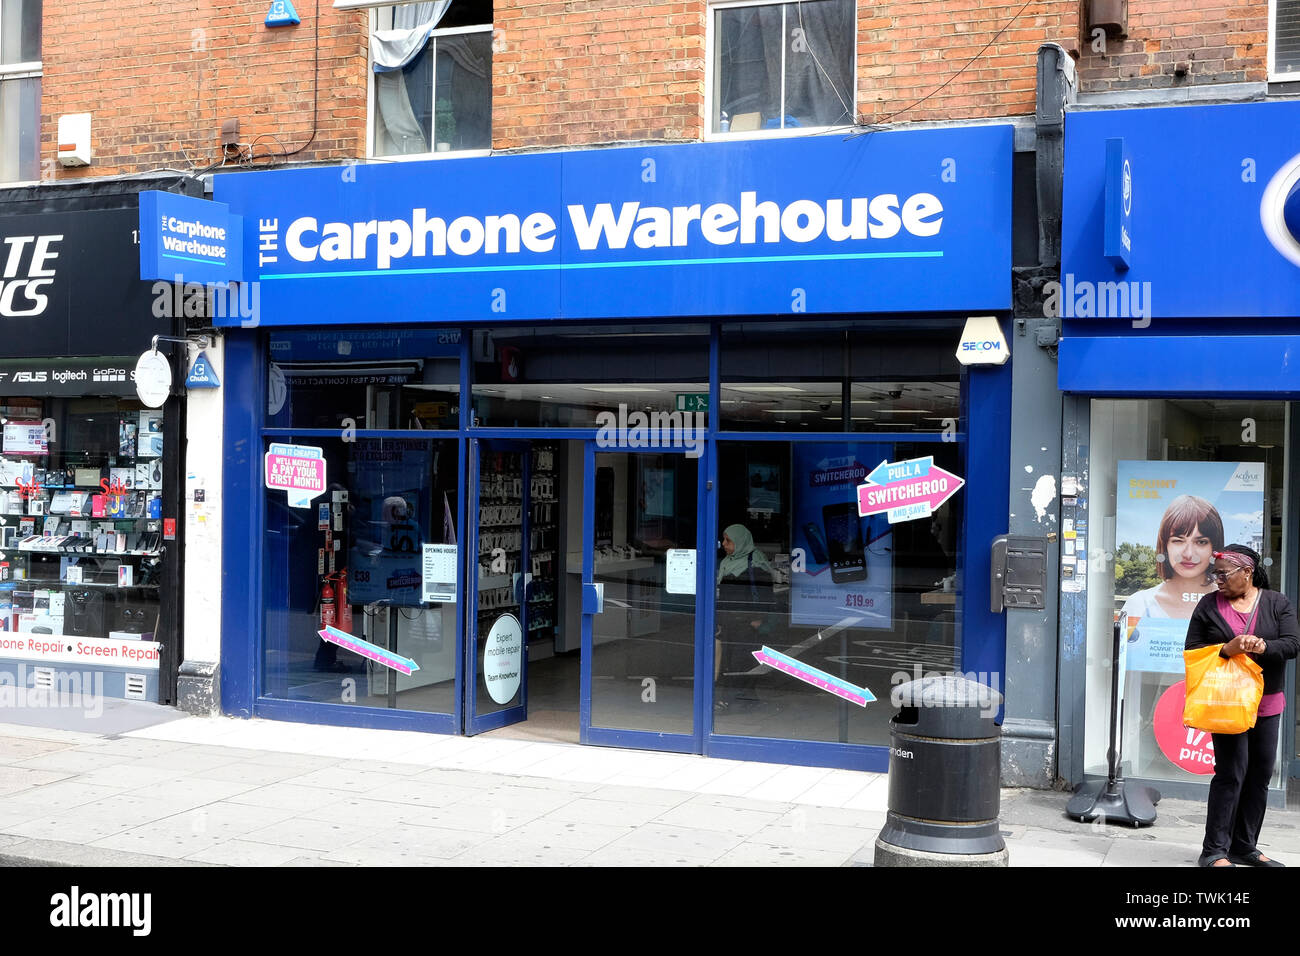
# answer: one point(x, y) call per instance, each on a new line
point(27, 276)
point(30, 376)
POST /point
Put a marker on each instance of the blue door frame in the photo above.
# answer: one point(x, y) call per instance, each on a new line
point(640, 739)
point(476, 723)
point(986, 396)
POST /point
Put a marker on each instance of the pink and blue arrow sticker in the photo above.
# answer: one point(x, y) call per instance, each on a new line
point(811, 675)
point(907, 490)
point(380, 655)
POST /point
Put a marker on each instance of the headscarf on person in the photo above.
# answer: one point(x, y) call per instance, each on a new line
point(737, 563)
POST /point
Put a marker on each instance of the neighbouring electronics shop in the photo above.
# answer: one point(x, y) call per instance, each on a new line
point(570, 444)
point(88, 562)
point(1180, 298)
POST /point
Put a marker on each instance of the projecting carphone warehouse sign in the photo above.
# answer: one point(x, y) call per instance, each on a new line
point(183, 238)
point(908, 221)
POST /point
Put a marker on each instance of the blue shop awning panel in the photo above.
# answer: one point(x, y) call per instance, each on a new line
point(1183, 365)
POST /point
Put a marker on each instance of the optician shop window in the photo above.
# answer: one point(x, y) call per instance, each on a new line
point(782, 66)
point(1168, 483)
point(432, 66)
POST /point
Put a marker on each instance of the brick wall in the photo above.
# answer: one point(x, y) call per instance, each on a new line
point(159, 79)
point(1213, 41)
point(595, 71)
point(907, 50)
point(910, 52)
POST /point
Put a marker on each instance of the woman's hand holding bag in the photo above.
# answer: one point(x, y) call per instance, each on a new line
point(1223, 693)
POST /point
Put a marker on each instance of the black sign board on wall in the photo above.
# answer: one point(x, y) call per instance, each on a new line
point(70, 286)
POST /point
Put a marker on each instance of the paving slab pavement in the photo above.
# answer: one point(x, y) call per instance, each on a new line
point(223, 792)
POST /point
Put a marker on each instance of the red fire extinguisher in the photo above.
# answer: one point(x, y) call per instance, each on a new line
point(345, 606)
point(328, 610)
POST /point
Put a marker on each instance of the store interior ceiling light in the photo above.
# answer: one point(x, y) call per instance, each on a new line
point(764, 388)
point(620, 389)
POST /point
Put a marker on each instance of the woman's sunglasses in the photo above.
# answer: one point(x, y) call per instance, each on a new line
point(1222, 576)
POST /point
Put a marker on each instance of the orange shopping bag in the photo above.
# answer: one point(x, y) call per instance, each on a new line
point(1223, 694)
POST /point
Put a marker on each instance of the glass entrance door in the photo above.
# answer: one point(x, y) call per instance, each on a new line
point(640, 643)
point(497, 623)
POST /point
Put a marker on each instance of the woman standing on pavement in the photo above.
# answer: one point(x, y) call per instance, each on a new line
point(1246, 618)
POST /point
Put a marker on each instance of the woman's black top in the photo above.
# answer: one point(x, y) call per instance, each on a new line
point(1275, 623)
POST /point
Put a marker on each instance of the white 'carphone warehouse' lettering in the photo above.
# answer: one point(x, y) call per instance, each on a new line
point(646, 227)
point(421, 236)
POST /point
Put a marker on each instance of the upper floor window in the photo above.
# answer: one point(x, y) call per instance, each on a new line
point(1284, 40)
point(20, 90)
point(781, 66)
point(433, 77)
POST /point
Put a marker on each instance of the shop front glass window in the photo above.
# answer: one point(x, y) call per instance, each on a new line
point(1169, 482)
point(802, 576)
point(81, 536)
point(591, 377)
point(350, 558)
point(840, 377)
point(364, 379)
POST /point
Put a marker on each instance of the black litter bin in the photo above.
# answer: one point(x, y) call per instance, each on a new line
point(944, 771)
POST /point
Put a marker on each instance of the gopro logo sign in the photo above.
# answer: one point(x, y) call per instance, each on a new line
point(982, 342)
point(1279, 210)
point(27, 275)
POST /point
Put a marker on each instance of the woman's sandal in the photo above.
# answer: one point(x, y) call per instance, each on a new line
point(1254, 858)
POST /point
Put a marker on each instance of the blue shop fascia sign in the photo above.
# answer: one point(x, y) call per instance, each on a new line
point(1182, 212)
point(882, 222)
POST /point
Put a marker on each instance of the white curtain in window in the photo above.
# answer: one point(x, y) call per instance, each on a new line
point(412, 23)
point(819, 63)
point(399, 131)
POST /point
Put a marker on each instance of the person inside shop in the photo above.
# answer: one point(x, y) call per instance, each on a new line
point(1191, 531)
point(1246, 618)
point(745, 602)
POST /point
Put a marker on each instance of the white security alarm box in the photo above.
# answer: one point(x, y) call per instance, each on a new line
point(74, 139)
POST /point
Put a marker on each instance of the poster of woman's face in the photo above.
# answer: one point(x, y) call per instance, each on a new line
point(1170, 518)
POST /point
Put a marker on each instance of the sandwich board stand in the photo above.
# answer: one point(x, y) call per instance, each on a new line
point(1114, 800)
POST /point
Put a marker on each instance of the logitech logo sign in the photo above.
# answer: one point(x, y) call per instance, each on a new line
point(1279, 210)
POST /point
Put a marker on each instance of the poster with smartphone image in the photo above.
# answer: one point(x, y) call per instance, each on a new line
point(847, 575)
point(1170, 517)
